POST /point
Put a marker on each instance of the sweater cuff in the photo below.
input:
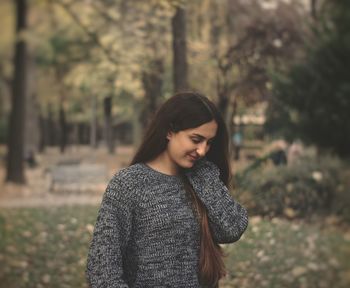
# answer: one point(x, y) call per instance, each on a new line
point(204, 170)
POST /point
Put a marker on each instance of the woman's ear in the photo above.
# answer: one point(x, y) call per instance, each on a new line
point(171, 131)
point(169, 135)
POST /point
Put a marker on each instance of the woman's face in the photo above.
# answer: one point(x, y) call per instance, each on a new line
point(187, 146)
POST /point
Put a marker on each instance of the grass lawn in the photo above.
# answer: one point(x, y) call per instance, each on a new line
point(48, 247)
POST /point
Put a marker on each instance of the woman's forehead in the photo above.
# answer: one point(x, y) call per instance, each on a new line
point(207, 130)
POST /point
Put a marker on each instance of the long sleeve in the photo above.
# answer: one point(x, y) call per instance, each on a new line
point(111, 233)
point(227, 218)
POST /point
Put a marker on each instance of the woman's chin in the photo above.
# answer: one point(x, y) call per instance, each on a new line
point(186, 164)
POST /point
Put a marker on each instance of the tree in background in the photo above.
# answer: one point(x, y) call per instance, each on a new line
point(178, 24)
point(15, 169)
point(230, 46)
point(234, 44)
point(312, 102)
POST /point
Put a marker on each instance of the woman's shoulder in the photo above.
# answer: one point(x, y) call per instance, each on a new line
point(127, 180)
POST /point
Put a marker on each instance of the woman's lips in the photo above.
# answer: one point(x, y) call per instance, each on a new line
point(193, 158)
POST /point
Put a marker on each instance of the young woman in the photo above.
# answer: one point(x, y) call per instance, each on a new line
point(162, 218)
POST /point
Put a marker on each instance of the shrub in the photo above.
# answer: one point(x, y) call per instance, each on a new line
point(312, 185)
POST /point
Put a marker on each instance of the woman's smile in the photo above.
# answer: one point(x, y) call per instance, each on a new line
point(192, 157)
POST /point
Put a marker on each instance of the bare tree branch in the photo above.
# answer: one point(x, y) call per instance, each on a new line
point(91, 34)
point(102, 12)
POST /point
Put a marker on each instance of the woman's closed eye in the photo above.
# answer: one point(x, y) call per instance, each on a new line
point(196, 140)
point(200, 140)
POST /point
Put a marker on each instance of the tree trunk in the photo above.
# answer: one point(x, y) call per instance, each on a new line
point(32, 128)
point(83, 131)
point(313, 4)
point(50, 131)
point(63, 129)
point(152, 81)
point(15, 165)
point(43, 131)
point(223, 102)
point(179, 50)
point(93, 125)
point(224, 92)
point(231, 127)
point(108, 124)
point(215, 29)
point(136, 126)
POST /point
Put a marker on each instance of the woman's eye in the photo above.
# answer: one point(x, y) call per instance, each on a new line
point(196, 141)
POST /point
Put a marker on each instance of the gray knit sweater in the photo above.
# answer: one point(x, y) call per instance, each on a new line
point(147, 235)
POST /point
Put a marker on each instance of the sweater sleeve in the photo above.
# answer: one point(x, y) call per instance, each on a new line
point(110, 237)
point(227, 218)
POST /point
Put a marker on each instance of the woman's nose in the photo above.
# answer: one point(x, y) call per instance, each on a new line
point(202, 149)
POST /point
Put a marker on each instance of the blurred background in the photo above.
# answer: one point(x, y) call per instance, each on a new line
point(80, 79)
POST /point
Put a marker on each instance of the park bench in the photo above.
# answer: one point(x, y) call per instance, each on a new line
point(78, 178)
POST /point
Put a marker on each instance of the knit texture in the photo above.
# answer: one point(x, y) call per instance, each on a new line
point(146, 233)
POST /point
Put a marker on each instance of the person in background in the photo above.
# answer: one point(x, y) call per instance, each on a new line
point(237, 143)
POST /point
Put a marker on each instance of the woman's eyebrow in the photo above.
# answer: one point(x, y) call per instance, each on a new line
point(201, 136)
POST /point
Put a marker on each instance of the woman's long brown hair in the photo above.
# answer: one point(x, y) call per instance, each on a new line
point(184, 111)
point(211, 264)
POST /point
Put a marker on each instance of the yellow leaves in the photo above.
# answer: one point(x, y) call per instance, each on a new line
point(82, 262)
point(317, 176)
point(46, 279)
point(89, 228)
point(61, 227)
point(255, 229)
point(255, 220)
point(11, 249)
point(22, 264)
point(199, 48)
point(289, 213)
point(272, 241)
point(298, 271)
point(80, 75)
point(27, 234)
point(73, 221)
point(7, 27)
point(262, 256)
point(332, 220)
point(347, 236)
point(169, 3)
point(334, 262)
point(49, 249)
point(290, 187)
point(312, 266)
point(107, 40)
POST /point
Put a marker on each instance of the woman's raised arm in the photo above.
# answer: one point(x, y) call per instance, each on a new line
point(227, 218)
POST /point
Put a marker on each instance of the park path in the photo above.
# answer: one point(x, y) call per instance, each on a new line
point(49, 201)
point(67, 179)
point(77, 177)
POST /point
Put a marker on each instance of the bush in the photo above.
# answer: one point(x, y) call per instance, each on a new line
point(310, 186)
